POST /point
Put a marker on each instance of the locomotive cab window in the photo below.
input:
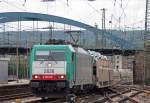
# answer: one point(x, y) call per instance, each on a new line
point(49, 55)
point(72, 56)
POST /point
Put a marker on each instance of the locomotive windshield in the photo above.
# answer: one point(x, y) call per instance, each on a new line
point(50, 55)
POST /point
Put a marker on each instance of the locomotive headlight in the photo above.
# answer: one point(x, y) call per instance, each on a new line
point(49, 65)
point(62, 77)
point(35, 76)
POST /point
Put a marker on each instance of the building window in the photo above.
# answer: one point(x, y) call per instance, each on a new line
point(117, 57)
point(117, 61)
point(117, 66)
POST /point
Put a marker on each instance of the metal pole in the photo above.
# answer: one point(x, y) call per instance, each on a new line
point(96, 37)
point(64, 32)
point(17, 44)
point(103, 28)
point(8, 38)
point(33, 31)
point(40, 38)
point(146, 14)
point(37, 31)
point(3, 33)
point(52, 31)
point(26, 63)
point(70, 34)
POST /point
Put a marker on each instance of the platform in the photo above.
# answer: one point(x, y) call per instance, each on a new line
point(16, 83)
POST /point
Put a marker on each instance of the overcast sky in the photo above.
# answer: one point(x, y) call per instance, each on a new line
point(130, 12)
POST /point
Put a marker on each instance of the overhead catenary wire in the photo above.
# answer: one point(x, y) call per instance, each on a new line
point(123, 5)
point(118, 19)
point(95, 10)
point(24, 3)
point(113, 15)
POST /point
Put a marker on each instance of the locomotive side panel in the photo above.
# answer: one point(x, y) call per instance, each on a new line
point(83, 68)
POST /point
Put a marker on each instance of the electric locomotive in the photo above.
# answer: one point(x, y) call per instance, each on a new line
point(57, 70)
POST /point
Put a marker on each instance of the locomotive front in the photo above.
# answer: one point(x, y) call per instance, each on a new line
point(48, 71)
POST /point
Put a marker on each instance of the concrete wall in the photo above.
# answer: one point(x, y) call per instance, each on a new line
point(118, 61)
point(138, 68)
point(3, 71)
point(123, 62)
point(147, 64)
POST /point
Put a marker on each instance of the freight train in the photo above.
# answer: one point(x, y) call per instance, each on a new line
point(58, 70)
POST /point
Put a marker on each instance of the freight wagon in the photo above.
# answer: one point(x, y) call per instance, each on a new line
point(104, 73)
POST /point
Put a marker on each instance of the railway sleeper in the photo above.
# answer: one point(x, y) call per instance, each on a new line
point(130, 98)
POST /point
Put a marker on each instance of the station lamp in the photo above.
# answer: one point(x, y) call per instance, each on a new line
point(91, 0)
point(47, 0)
point(55, 0)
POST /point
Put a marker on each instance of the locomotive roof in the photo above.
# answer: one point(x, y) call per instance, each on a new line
point(81, 50)
point(55, 46)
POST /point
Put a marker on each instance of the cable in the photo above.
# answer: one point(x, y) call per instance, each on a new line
point(118, 19)
point(24, 3)
point(67, 4)
point(96, 10)
point(123, 9)
point(93, 8)
point(112, 16)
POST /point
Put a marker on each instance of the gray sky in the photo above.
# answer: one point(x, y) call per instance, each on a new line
point(131, 12)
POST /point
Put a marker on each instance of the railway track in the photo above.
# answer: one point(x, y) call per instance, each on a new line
point(14, 92)
point(15, 96)
point(39, 100)
point(86, 98)
point(123, 96)
point(117, 94)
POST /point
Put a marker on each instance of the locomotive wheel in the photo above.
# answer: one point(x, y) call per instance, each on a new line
point(71, 98)
point(44, 99)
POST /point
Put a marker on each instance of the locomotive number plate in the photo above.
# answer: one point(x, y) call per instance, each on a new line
point(48, 70)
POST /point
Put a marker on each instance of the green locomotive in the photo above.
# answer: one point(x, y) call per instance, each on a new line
point(56, 70)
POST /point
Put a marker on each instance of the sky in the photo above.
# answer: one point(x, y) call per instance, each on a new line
point(124, 14)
